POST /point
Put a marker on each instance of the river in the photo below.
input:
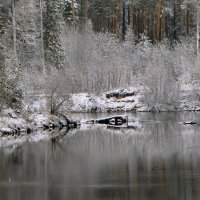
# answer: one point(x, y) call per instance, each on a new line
point(158, 160)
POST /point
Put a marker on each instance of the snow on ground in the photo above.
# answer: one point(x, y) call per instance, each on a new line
point(128, 99)
point(119, 100)
point(46, 120)
point(34, 103)
point(10, 125)
point(125, 99)
point(15, 124)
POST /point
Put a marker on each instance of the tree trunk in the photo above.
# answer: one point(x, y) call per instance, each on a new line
point(144, 17)
point(73, 13)
point(148, 20)
point(15, 39)
point(197, 22)
point(84, 14)
point(117, 17)
point(152, 27)
point(131, 16)
point(42, 38)
point(174, 24)
point(124, 22)
point(187, 23)
point(159, 28)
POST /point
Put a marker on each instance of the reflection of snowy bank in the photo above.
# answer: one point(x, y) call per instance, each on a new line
point(151, 141)
point(11, 142)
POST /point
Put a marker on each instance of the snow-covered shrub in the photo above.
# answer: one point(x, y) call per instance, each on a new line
point(185, 60)
point(54, 88)
point(162, 90)
point(97, 62)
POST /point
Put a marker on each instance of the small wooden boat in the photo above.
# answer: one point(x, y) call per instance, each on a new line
point(115, 120)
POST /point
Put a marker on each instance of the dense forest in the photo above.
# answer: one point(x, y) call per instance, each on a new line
point(57, 47)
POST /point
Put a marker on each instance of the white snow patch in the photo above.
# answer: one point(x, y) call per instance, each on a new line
point(41, 120)
point(14, 124)
point(84, 102)
point(9, 112)
point(33, 103)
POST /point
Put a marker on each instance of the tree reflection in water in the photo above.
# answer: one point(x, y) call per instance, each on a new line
point(158, 161)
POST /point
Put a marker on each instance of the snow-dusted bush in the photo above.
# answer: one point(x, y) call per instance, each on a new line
point(97, 62)
point(161, 80)
point(162, 90)
point(57, 89)
point(54, 89)
point(185, 60)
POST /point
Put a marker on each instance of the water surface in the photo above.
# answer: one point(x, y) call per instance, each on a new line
point(159, 159)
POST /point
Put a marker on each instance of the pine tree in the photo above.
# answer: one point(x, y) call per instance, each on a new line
point(3, 22)
point(54, 55)
point(83, 14)
point(9, 94)
point(69, 12)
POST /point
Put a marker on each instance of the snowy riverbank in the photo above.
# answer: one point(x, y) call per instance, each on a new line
point(11, 123)
point(132, 99)
point(116, 100)
point(34, 113)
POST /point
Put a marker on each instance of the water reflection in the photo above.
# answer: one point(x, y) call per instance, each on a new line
point(160, 160)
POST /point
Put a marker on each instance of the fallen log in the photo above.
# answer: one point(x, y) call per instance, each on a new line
point(119, 94)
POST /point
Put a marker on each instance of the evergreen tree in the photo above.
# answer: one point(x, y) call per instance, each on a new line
point(54, 55)
point(70, 12)
point(3, 22)
point(102, 15)
point(9, 94)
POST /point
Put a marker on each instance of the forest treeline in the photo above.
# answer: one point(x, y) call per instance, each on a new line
point(157, 19)
point(93, 45)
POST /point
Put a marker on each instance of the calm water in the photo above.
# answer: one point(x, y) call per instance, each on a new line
point(159, 160)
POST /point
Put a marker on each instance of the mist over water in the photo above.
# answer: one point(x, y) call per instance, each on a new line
point(158, 160)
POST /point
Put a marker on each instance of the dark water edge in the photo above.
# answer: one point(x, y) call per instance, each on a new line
point(158, 160)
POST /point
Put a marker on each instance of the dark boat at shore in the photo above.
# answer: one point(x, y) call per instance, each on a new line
point(115, 120)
